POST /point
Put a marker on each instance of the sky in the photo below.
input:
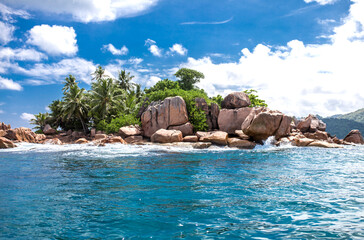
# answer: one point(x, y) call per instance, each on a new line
point(303, 56)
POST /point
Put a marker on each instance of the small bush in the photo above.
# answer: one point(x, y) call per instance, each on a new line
point(116, 123)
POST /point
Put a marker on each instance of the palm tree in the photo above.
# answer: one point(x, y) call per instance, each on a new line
point(75, 104)
point(99, 73)
point(40, 120)
point(124, 80)
point(105, 98)
point(69, 82)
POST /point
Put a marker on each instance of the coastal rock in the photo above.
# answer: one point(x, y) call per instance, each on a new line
point(240, 143)
point(100, 136)
point(212, 112)
point(190, 139)
point(167, 136)
point(236, 100)
point(337, 141)
point(284, 128)
point(131, 130)
point(6, 143)
point(186, 129)
point(81, 141)
point(116, 139)
point(318, 135)
point(311, 124)
point(40, 137)
point(2, 133)
point(354, 137)
point(21, 134)
point(323, 144)
point(48, 130)
point(241, 134)
point(54, 141)
point(134, 139)
point(202, 105)
point(265, 124)
point(216, 137)
point(93, 132)
point(160, 115)
point(230, 120)
point(302, 142)
point(69, 132)
point(254, 112)
point(201, 145)
point(4, 127)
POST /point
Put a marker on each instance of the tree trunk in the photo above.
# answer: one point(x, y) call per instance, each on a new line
point(83, 125)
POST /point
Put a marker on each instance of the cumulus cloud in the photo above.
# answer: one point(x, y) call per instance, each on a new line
point(21, 54)
point(86, 10)
point(114, 51)
point(297, 78)
point(179, 49)
point(153, 48)
point(27, 116)
point(9, 84)
point(55, 40)
point(42, 73)
point(6, 32)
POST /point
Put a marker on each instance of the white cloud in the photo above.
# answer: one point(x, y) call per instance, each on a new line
point(6, 32)
point(135, 61)
point(26, 116)
point(114, 51)
point(21, 54)
point(42, 73)
point(298, 79)
point(9, 84)
point(208, 23)
point(321, 2)
point(179, 49)
point(55, 40)
point(7, 13)
point(86, 10)
point(153, 48)
point(1, 111)
point(152, 81)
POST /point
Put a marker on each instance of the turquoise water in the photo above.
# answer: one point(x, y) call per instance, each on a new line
point(142, 192)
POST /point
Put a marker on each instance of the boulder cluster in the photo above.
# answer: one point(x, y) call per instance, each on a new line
point(236, 125)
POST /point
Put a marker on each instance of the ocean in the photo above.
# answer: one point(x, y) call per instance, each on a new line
point(159, 192)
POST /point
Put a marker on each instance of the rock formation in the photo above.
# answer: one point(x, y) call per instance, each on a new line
point(216, 137)
point(132, 130)
point(231, 120)
point(212, 112)
point(186, 129)
point(160, 115)
point(48, 130)
point(6, 143)
point(311, 124)
point(354, 137)
point(240, 143)
point(167, 136)
point(236, 100)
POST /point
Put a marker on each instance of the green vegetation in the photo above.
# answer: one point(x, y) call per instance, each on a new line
point(114, 103)
point(357, 116)
point(254, 99)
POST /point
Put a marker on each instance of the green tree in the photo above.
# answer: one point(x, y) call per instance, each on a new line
point(163, 85)
point(40, 120)
point(75, 104)
point(254, 99)
point(98, 74)
point(69, 82)
point(218, 99)
point(105, 97)
point(188, 78)
point(125, 82)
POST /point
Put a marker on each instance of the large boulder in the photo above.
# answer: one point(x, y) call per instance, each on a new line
point(216, 137)
point(265, 124)
point(190, 138)
point(48, 130)
point(186, 129)
point(21, 134)
point(254, 112)
point(240, 143)
point(160, 115)
point(311, 124)
point(54, 141)
point(2, 133)
point(236, 100)
point(241, 135)
point(318, 135)
point(354, 137)
point(131, 130)
point(230, 120)
point(167, 136)
point(100, 136)
point(6, 143)
point(284, 128)
point(134, 139)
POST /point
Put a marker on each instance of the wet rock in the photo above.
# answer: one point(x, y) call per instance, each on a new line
point(190, 139)
point(167, 136)
point(186, 129)
point(216, 137)
point(264, 125)
point(53, 141)
point(240, 143)
point(323, 144)
point(160, 115)
point(236, 100)
point(100, 136)
point(131, 130)
point(201, 145)
point(241, 135)
point(302, 142)
point(134, 139)
point(81, 141)
point(354, 137)
point(6, 143)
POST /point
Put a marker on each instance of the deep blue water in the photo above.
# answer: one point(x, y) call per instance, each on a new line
point(140, 192)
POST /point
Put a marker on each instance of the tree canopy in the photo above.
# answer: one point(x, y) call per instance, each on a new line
point(187, 78)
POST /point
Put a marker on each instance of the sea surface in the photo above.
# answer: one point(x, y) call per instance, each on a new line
point(158, 192)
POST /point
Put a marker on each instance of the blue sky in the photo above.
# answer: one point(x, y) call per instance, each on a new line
point(303, 56)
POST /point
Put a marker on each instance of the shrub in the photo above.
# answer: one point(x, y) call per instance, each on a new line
point(116, 123)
